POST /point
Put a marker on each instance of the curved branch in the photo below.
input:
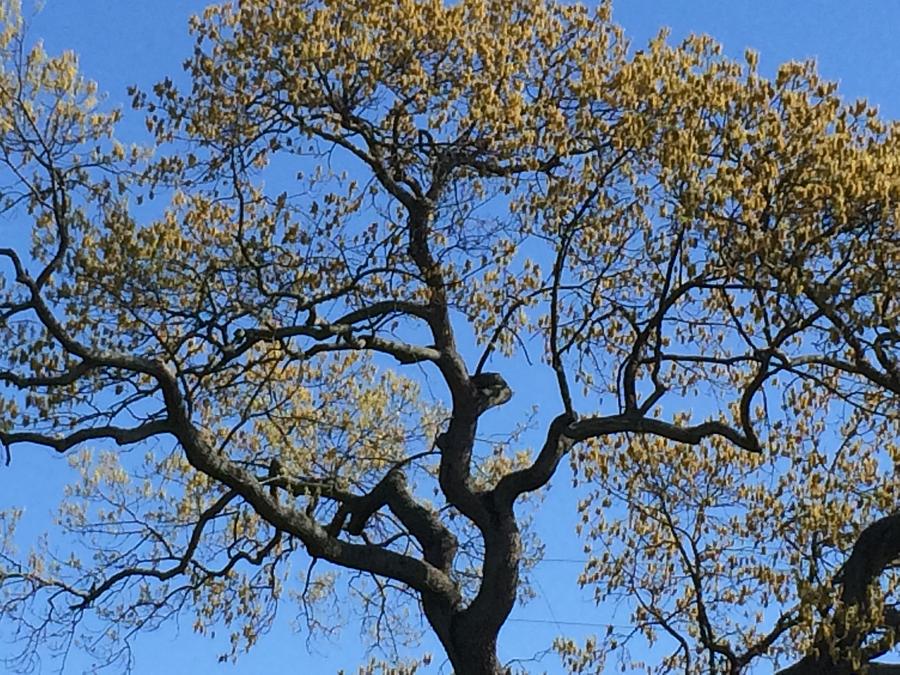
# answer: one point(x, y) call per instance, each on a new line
point(438, 543)
point(556, 445)
point(215, 509)
point(121, 435)
point(876, 548)
point(592, 427)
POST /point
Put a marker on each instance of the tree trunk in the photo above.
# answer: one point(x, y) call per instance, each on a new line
point(474, 654)
point(471, 649)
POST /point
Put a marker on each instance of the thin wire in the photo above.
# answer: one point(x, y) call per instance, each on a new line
point(554, 621)
point(546, 599)
point(562, 623)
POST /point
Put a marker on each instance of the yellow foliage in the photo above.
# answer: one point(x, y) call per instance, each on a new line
point(705, 263)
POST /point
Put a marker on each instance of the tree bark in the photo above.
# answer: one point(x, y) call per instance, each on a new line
point(471, 651)
point(875, 549)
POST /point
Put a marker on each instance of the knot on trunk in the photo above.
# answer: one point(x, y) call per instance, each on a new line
point(491, 390)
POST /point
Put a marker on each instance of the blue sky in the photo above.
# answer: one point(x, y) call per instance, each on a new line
point(140, 41)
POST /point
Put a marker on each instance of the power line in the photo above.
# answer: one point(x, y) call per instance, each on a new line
point(562, 623)
point(546, 599)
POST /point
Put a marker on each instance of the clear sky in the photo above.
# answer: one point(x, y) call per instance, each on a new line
point(123, 42)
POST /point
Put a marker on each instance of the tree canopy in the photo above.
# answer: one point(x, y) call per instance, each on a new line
point(302, 305)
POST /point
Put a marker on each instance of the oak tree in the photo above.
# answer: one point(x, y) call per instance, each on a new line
point(358, 222)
